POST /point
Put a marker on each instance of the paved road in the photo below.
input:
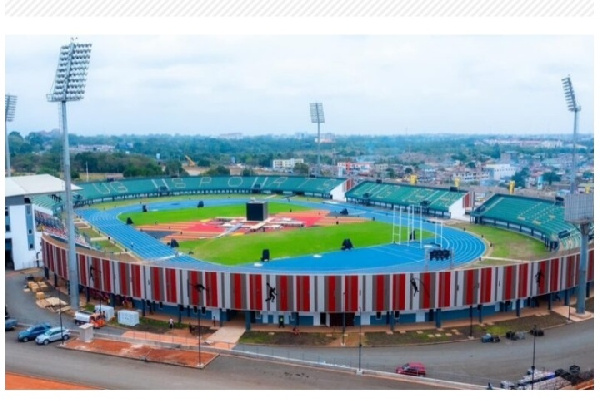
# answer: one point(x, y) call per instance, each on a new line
point(225, 373)
point(470, 362)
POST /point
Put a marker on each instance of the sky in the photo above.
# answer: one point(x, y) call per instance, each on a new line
point(255, 84)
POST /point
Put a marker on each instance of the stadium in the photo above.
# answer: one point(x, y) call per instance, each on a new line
point(309, 251)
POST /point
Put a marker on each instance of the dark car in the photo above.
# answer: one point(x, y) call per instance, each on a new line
point(33, 331)
point(411, 369)
point(490, 338)
point(9, 323)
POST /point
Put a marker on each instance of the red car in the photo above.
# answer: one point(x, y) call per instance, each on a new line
point(411, 369)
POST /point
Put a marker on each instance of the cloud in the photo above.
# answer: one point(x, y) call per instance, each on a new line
point(263, 83)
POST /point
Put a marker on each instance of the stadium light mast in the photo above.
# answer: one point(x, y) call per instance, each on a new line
point(575, 108)
point(317, 117)
point(10, 103)
point(69, 86)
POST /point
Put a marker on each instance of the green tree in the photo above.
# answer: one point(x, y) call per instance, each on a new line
point(551, 177)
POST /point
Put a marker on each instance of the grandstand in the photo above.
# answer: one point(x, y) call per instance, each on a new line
point(151, 187)
point(433, 200)
point(536, 217)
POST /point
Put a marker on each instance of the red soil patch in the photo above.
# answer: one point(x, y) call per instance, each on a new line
point(19, 382)
point(143, 352)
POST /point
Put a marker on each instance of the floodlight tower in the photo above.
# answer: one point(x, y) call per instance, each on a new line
point(317, 116)
point(575, 108)
point(10, 102)
point(69, 86)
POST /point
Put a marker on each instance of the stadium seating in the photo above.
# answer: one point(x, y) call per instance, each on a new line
point(538, 214)
point(405, 195)
point(156, 186)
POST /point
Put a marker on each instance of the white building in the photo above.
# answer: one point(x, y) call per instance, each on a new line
point(286, 164)
point(500, 171)
point(22, 248)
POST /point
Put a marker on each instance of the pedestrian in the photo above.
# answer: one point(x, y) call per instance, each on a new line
point(171, 325)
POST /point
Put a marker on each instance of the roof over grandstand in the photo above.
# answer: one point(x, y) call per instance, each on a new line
point(34, 185)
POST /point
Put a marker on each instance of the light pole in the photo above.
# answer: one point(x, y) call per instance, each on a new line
point(199, 288)
point(317, 117)
point(359, 338)
point(574, 108)
point(68, 86)
point(10, 102)
point(533, 365)
point(344, 318)
point(62, 340)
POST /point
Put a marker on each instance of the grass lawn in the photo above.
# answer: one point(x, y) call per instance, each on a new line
point(107, 246)
point(248, 248)
point(201, 213)
point(507, 244)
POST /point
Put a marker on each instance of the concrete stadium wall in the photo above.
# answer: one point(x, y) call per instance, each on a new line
point(391, 295)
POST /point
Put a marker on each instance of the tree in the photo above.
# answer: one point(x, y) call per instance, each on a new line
point(551, 177)
point(247, 172)
point(301, 169)
point(218, 171)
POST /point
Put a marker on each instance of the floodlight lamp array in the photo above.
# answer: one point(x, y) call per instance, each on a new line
point(570, 95)
point(71, 73)
point(10, 103)
point(316, 113)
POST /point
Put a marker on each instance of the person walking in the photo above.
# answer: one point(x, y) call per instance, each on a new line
point(171, 324)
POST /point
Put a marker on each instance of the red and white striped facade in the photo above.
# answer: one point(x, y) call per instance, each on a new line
point(321, 292)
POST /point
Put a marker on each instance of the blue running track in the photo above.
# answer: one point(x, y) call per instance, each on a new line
point(378, 259)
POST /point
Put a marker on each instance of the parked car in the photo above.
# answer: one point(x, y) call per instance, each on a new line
point(411, 369)
point(9, 323)
point(33, 331)
point(53, 334)
point(489, 338)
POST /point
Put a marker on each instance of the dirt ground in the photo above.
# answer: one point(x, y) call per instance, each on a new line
point(19, 382)
point(141, 352)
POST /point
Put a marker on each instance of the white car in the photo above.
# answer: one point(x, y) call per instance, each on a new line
point(53, 334)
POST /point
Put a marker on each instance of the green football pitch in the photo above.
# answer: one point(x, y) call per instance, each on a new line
point(235, 250)
point(201, 213)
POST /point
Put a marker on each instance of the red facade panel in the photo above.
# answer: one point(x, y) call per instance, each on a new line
point(194, 281)
point(352, 294)
point(470, 287)
point(156, 273)
point(379, 281)
point(171, 285)
point(509, 271)
point(303, 293)
point(96, 274)
point(136, 276)
point(123, 279)
point(486, 285)
point(541, 277)
point(212, 289)
point(83, 277)
point(524, 280)
point(256, 295)
point(236, 286)
point(106, 278)
point(426, 293)
point(554, 274)
point(444, 289)
point(62, 267)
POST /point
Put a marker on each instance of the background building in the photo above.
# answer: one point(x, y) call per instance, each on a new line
point(21, 240)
